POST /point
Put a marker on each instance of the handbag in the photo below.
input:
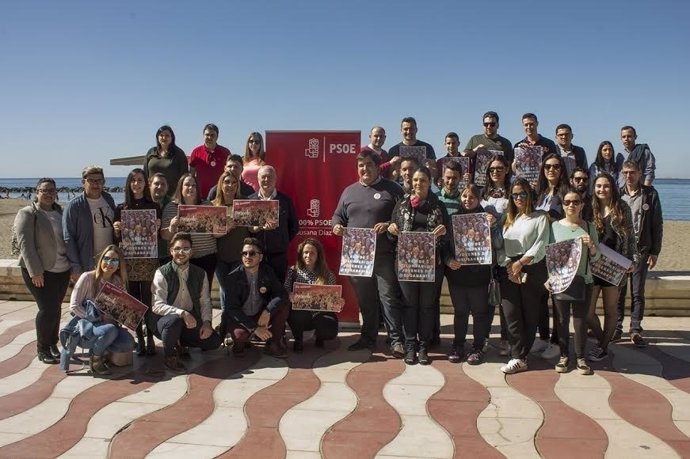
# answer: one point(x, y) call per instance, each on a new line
point(574, 292)
point(494, 290)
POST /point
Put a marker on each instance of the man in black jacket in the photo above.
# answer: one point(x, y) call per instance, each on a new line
point(648, 224)
point(573, 156)
point(256, 303)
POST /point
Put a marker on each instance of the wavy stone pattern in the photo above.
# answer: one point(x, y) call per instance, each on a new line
point(335, 403)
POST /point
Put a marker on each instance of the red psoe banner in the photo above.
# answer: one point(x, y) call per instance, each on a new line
point(314, 167)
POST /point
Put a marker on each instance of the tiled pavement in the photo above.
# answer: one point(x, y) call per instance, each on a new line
point(338, 404)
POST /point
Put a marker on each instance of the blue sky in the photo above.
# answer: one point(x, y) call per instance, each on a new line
point(85, 81)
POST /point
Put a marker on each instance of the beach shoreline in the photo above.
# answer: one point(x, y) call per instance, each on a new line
point(672, 258)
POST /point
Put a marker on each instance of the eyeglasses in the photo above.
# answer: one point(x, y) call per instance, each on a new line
point(520, 195)
point(579, 179)
point(111, 261)
point(95, 181)
point(548, 167)
point(184, 250)
point(250, 254)
point(489, 124)
point(574, 202)
point(497, 169)
point(47, 190)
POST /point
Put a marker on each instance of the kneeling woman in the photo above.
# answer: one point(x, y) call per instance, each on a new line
point(108, 334)
point(311, 268)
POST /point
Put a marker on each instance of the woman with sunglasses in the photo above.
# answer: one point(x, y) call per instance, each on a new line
point(311, 268)
point(229, 244)
point(166, 157)
point(574, 227)
point(525, 235)
point(204, 254)
point(420, 211)
point(553, 183)
point(140, 271)
point(605, 162)
point(254, 158)
point(109, 335)
point(613, 222)
point(495, 193)
point(44, 264)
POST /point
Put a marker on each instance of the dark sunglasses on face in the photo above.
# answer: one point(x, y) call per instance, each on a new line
point(250, 254)
point(489, 124)
point(552, 166)
point(497, 169)
point(568, 202)
point(520, 195)
point(579, 179)
point(112, 261)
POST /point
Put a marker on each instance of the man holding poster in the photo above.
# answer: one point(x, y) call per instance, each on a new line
point(369, 203)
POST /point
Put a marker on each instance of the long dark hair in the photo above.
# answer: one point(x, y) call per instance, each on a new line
point(321, 269)
point(177, 197)
point(562, 185)
point(129, 195)
point(604, 164)
point(506, 181)
point(165, 127)
point(618, 220)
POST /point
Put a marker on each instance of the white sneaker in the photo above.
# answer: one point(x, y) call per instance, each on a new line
point(539, 346)
point(514, 366)
point(551, 352)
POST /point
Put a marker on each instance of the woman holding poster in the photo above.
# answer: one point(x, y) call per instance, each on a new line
point(468, 286)
point(204, 252)
point(420, 211)
point(613, 222)
point(525, 235)
point(140, 269)
point(311, 268)
point(578, 295)
point(107, 335)
point(230, 244)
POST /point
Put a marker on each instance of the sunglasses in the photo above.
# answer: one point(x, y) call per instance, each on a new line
point(574, 202)
point(254, 141)
point(111, 261)
point(497, 169)
point(520, 195)
point(489, 124)
point(548, 167)
point(579, 179)
point(250, 254)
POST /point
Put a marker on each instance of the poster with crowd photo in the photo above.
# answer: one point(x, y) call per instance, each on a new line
point(611, 266)
point(120, 305)
point(254, 212)
point(562, 260)
point(481, 163)
point(202, 219)
point(358, 251)
point(313, 297)
point(528, 163)
point(416, 257)
point(472, 238)
point(417, 152)
point(139, 233)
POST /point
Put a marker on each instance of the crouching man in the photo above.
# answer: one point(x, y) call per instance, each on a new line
point(256, 303)
point(181, 304)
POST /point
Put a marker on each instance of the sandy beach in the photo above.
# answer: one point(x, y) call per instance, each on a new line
point(674, 254)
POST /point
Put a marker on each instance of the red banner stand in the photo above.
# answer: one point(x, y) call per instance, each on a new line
point(314, 167)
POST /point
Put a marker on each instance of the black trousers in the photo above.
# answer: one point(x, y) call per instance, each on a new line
point(521, 304)
point(49, 300)
point(208, 264)
point(465, 300)
point(324, 324)
point(579, 309)
point(172, 329)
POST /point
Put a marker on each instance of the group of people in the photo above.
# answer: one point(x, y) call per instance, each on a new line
point(394, 194)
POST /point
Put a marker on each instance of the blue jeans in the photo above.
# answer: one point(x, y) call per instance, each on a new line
point(110, 337)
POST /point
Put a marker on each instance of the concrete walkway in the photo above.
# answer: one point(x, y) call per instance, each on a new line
point(338, 404)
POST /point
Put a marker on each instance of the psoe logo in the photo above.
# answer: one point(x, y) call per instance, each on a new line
point(314, 209)
point(312, 151)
